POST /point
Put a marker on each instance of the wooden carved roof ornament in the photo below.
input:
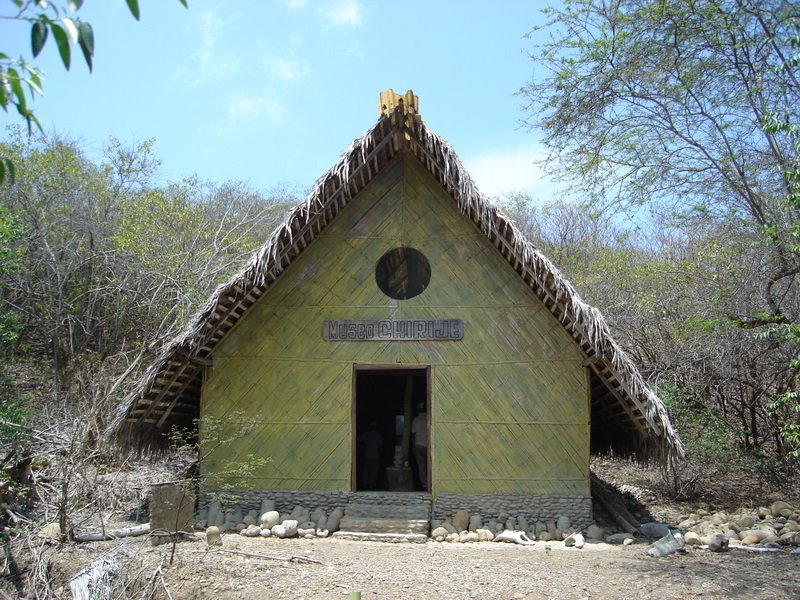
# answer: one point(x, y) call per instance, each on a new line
point(408, 103)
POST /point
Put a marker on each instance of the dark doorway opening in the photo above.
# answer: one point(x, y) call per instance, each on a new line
point(391, 417)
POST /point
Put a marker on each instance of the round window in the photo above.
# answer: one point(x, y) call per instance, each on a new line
point(403, 273)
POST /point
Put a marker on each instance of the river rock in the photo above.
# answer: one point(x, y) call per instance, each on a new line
point(300, 514)
point(322, 523)
point(791, 538)
point(468, 536)
point(317, 514)
point(461, 520)
point(574, 539)
point(692, 538)
point(551, 529)
point(595, 532)
point(449, 527)
point(780, 509)
point(251, 531)
point(266, 532)
point(439, 534)
point(213, 537)
point(475, 522)
point(249, 520)
point(716, 542)
point(654, 530)
point(618, 538)
point(751, 537)
point(270, 518)
point(789, 526)
point(334, 518)
point(485, 535)
point(563, 523)
point(522, 523)
point(451, 537)
point(286, 529)
point(745, 522)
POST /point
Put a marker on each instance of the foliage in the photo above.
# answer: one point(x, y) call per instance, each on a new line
point(676, 113)
point(662, 103)
point(19, 79)
point(113, 261)
point(221, 483)
point(12, 407)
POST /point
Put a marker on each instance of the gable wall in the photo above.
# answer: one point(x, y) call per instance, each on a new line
point(509, 406)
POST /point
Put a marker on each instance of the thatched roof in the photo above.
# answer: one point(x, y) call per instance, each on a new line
point(626, 416)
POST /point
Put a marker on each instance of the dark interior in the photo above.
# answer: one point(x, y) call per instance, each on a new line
point(380, 406)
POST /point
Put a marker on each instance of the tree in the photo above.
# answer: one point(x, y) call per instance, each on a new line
point(663, 102)
point(113, 261)
point(19, 79)
point(678, 108)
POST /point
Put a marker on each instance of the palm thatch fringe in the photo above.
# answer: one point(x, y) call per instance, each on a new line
point(168, 393)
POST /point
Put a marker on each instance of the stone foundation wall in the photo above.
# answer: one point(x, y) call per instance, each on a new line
point(286, 500)
point(533, 507)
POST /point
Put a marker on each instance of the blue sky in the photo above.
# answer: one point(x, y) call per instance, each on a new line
point(272, 91)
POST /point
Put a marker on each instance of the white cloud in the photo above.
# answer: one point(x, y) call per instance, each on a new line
point(286, 69)
point(211, 63)
point(338, 13)
point(509, 170)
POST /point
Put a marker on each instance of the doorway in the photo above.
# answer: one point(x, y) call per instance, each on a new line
point(391, 424)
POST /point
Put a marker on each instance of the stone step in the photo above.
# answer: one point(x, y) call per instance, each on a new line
point(373, 525)
point(361, 536)
point(389, 511)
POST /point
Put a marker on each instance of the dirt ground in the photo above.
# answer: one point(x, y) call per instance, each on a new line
point(331, 568)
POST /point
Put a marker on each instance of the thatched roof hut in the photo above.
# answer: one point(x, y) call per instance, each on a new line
point(625, 415)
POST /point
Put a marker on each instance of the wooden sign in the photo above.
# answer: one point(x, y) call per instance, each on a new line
point(385, 330)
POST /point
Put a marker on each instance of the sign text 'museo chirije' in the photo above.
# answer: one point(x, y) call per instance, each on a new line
point(366, 330)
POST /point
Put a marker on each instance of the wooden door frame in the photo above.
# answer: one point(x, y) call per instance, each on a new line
point(397, 369)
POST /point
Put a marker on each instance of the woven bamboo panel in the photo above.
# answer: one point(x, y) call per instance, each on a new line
point(521, 459)
point(509, 401)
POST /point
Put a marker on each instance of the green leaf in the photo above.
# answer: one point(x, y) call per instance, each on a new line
point(7, 171)
point(3, 95)
point(35, 83)
point(86, 41)
point(62, 41)
point(75, 5)
point(16, 88)
point(185, 3)
point(39, 33)
point(133, 6)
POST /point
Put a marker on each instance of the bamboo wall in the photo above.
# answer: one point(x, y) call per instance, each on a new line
point(509, 405)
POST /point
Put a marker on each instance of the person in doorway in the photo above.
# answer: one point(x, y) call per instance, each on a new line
point(371, 447)
point(419, 431)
